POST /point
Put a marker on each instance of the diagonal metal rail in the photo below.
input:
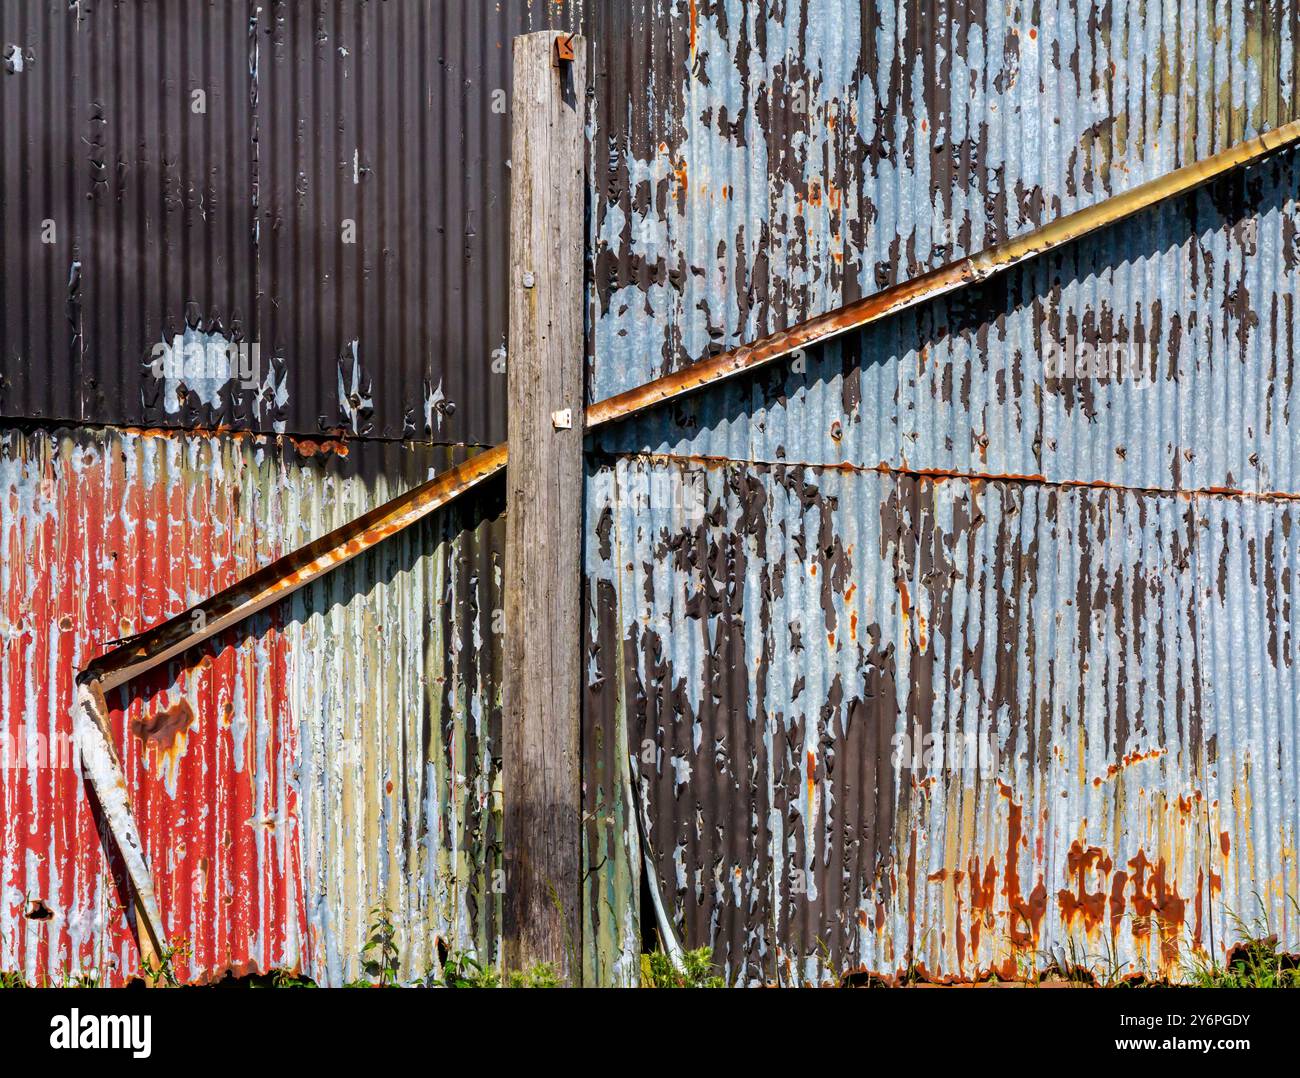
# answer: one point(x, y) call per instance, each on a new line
point(283, 577)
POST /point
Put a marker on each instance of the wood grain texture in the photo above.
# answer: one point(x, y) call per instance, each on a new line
point(541, 765)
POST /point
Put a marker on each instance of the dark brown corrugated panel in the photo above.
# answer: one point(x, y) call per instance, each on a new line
point(200, 170)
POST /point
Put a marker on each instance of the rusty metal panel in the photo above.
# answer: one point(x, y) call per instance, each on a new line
point(1187, 311)
point(921, 529)
point(333, 752)
point(325, 181)
point(756, 164)
point(895, 725)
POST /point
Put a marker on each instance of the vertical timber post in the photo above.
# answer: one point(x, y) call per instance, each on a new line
point(541, 768)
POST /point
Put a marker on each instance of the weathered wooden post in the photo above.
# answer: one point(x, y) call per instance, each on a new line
point(541, 762)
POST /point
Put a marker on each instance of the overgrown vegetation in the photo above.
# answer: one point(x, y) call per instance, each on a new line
point(1256, 962)
point(697, 970)
point(464, 971)
point(161, 970)
point(379, 956)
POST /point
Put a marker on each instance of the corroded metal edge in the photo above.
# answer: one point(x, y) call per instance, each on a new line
point(102, 768)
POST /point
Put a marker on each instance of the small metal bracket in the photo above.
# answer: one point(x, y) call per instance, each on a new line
point(564, 49)
point(563, 419)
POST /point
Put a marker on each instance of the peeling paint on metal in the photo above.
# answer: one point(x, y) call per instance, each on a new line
point(892, 724)
point(333, 751)
point(308, 176)
point(757, 164)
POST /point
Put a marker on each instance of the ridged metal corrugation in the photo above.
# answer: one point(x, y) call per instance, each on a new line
point(1110, 672)
point(332, 753)
point(756, 164)
point(791, 589)
point(222, 219)
point(1194, 300)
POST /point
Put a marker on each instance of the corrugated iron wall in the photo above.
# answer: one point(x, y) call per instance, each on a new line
point(887, 723)
point(326, 181)
point(757, 163)
point(333, 753)
point(185, 174)
point(913, 531)
point(921, 530)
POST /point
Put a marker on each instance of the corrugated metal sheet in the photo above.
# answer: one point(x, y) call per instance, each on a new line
point(1194, 298)
point(1108, 677)
point(222, 218)
point(755, 164)
point(763, 625)
point(336, 751)
point(796, 582)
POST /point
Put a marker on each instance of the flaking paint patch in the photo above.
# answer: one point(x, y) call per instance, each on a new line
point(1069, 630)
point(355, 402)
point(281, 869)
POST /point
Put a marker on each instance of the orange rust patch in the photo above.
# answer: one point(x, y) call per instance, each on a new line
point(1090, 906)
point(1128, 761)
point(309, 447)
point(1156, 902)
point(1026, 914)
point(981, 900)
point(165, 725)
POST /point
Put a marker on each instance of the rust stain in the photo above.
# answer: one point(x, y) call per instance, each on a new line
point(1157, 904)
point(166, 724)
point(1082, 903)
point(1026, 914)
point(1128, 761)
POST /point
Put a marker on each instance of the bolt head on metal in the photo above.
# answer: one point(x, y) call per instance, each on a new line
point(563, 419)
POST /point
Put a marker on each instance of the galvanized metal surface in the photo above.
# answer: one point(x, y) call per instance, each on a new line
point(331, 752)
point(755, 164)
point(326, 181)
point(890, 724)
point(919, 524)
point(1126, 650)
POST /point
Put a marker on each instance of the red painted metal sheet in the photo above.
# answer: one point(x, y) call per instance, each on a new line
point(106, 533)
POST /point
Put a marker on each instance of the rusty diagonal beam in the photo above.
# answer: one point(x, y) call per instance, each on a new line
point(283, 577)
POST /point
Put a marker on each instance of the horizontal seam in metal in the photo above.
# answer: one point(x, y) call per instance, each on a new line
point(940, 475)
